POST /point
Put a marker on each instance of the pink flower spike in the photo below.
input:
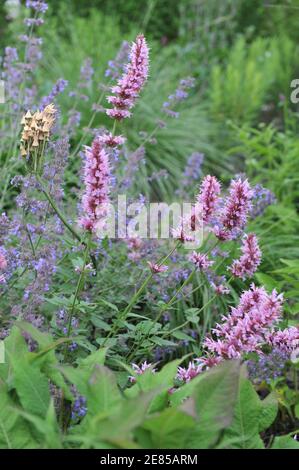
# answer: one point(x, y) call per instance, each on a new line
point(156, 268)
point(246, 327)
point(139, 370)
point(201, 261)
point(250, 259)
point(112, 140)
point(235, 211)
point(180, 234)
point(286, 340)
point(95, 200)
point(130, 84)
point(186, 374)
point(220, 289)
point(208, 197)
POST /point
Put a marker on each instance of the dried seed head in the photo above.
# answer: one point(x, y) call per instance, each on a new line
point(36, 130)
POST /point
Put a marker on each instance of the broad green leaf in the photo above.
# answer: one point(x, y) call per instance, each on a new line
point(268, 411)
point(170, 429)
point(43, 339)
point(47, 428)
point(32, 387)
point(215, 397)
point(103, 395)
point(244, 429)
point(98, 357)
point(15, 347)
point(14, 431)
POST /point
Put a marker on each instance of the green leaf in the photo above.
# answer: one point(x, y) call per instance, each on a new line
point(215, 397)
point(266, 280)
point(14, 431)
point(285, 442)
point(268, 411)
point(244, 430)
point(96, 358)
point(103, 395)
point(15, 346)
point(43, 339)
point(32, 387)
point(48, 428)
point(170, 429)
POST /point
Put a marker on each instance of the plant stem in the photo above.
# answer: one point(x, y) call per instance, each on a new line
point(138, 294)
point(79, 285)
point(57, 210)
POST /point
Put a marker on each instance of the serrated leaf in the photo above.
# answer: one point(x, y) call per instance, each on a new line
point(32, 387)
point(244, 429)
point(14, 431)
point(215, 397)
point(170, 429)
point(268, 411)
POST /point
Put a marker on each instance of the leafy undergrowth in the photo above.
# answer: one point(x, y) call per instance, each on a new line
point(218, 409)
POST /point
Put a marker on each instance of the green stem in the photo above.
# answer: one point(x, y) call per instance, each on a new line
point(78, 288)
point(138, 294)
point(57, 210)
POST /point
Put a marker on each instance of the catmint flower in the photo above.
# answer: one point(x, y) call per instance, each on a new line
point(96, 196)
point(156, 268)
point(178, 96)
point(139, 370)
point(235, 211)
point(268, 367)
point(250, 259)
point(244, 329)
point(201, 261)
point(79, 407)
point(30, 22)
point(262, 198)
point(57, 89)
point(38, 5)
point(116, 66)
point(86, 74)
point(193, 168)
point(208, 197)
point(187, 374)
point(131, 82)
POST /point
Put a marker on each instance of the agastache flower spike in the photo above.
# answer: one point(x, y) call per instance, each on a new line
point(96, 197)
point(112, 140)
point(235, 211)
point(245, 329)
point(156, 268)
point(187, 374)
point(139, 370)
point(208, 197)
point(201, 261)
point(131, 82)
point(286, 340)
point(250, 259)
